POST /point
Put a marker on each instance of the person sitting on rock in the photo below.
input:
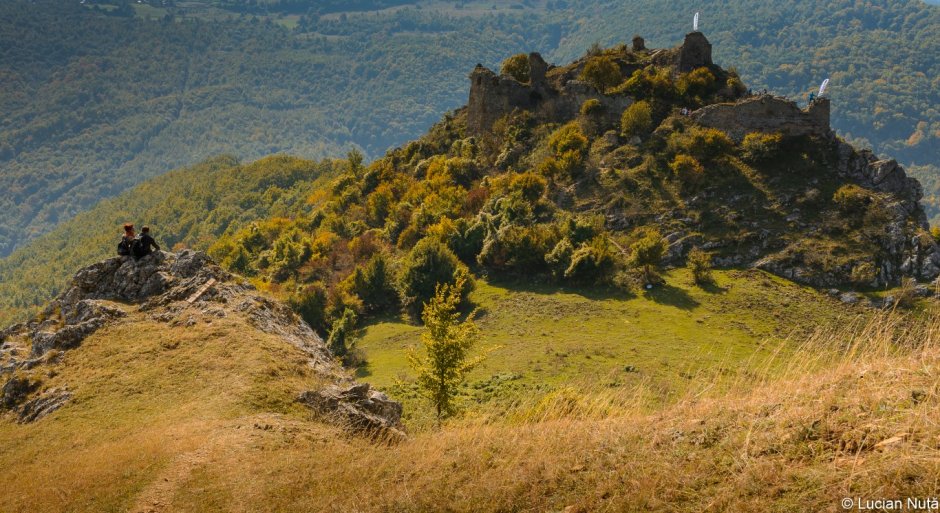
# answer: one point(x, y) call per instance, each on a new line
point(127, 240)
point(144, 243)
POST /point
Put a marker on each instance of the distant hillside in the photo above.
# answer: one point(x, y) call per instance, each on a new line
point(189, 207)
point(96, 101)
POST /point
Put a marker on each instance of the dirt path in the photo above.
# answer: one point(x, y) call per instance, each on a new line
point(158, 496)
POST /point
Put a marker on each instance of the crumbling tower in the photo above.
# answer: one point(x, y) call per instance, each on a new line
point(695, 52)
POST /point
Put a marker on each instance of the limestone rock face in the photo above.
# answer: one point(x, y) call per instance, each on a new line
point(358, 408)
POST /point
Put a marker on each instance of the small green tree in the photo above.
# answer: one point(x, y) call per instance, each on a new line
point(375, 285)
point(517, 67)
point(637, 119)
point(341, 332)
point(447, 343)
point(700, 263)
point(647, 253)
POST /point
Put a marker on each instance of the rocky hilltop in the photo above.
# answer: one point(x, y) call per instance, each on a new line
point(778, 210)
point(182, 290)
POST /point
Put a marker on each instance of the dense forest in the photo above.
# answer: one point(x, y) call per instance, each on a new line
point(189, 207)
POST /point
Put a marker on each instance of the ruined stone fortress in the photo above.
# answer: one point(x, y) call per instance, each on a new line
point(556, 93)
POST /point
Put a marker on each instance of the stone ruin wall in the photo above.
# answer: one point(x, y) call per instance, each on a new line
point(494, 96)
point(766, 113)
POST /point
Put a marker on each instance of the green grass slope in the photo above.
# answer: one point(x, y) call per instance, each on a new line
point(188, 207)
point(549, 338)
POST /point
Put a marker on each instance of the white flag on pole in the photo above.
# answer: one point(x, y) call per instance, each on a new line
point(822, 87)
point(695, 23)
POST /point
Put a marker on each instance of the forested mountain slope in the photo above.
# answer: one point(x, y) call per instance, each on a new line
point(96, 101)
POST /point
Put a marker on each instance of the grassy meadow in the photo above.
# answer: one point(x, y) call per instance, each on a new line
point(543, 338)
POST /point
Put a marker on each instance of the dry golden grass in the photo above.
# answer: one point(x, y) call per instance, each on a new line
point(853, 414)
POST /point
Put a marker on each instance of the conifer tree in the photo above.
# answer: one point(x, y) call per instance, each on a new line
point(447, 343)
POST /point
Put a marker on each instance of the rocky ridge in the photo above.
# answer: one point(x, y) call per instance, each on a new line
point(179, 289)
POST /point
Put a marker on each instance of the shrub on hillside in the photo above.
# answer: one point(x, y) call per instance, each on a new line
point(647, 253)
point(514, 248)
point(559, 258)
point(429, 264)
point(379, 205)
point(637, 119)
point(735, 86)
point(601, 72)
point(375, 285)
point(592, 262)
point(311, 304)
point(649, 82)
point(700, 264)
point(697, 83)
point(852, 199)
point(689, 171)
point(341, 332)
point(455, 170)
point(568, 138)
point(517, 67)
point(702, 143)
point(569, 146)
point(592, 107)
point(760, 147)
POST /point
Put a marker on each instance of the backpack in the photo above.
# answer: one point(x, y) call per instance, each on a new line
point(137, 247)
point(124, 247)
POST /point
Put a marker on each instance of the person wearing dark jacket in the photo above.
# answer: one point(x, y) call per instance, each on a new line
point(143, 246)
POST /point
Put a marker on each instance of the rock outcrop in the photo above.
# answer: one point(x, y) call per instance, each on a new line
point(905, 248)
point(359, 408)
point(174, 288)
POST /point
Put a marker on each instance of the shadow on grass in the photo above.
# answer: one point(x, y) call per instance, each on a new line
point(593, 292)
point(712, 288)
point(672, 296)
point(363, 371)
